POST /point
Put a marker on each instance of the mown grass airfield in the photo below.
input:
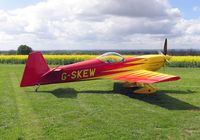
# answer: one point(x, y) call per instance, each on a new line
point(99, 109)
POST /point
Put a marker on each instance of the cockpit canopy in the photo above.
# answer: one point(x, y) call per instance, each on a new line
point(111, 57)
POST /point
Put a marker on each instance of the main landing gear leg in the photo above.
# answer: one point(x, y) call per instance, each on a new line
point(37, 87)
point(141, 88)
point(130, 85)
point(146, 89)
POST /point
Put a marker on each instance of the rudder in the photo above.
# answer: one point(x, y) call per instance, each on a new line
point(36, 66)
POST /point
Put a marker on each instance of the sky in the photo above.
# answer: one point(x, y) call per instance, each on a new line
point(190, 9)
point(99, 24)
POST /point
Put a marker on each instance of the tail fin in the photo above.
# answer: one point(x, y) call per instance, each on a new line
point(36, 66)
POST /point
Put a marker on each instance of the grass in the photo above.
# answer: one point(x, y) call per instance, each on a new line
point(92, 110)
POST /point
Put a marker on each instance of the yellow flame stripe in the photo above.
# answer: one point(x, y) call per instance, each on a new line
point(143, 74)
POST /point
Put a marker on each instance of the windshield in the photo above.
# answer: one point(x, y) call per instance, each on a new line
point(111, 57)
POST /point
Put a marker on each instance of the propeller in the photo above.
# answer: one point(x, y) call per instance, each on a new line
point(165, 47)
point(164, 53)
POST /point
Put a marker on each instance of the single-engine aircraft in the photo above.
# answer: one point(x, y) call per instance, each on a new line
point(135, 71)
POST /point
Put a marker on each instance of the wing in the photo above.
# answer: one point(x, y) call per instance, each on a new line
point(147, 77)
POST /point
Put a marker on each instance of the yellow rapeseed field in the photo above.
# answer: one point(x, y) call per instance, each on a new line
point(185, 59)
point(180, 61)
point(51, 59)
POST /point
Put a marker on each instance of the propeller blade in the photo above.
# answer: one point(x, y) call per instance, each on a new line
point(165, 47)
point(164, 53)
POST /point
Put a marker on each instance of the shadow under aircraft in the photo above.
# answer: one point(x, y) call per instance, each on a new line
point(161, 98)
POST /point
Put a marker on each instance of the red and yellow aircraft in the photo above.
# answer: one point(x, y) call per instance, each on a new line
point(134, 71)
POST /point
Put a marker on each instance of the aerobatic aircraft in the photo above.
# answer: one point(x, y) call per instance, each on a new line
point(136, 71)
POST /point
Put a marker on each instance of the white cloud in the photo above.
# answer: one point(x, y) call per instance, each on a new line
point(137, 8)
point(95, 24)
point(188, 27)
point(196, 8)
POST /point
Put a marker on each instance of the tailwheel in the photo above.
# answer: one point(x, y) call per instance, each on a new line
point(145, 89)
point(37, 87)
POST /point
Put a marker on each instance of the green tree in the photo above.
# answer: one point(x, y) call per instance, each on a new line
point(24, 50)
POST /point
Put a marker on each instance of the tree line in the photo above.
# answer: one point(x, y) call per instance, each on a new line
point(25, 49)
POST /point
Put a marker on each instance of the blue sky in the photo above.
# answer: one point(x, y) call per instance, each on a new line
point(186, 6)
point(99, 24)
point(13, 4)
